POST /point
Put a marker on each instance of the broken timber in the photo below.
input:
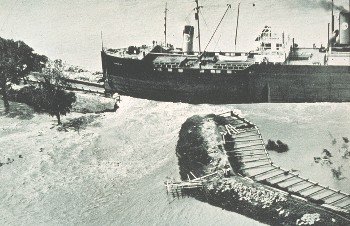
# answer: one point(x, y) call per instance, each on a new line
point(180, 188)
point(249, 153)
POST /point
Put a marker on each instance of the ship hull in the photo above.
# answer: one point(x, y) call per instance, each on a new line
point(256, 84)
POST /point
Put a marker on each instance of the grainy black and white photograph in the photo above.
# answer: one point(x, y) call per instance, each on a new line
point(182, 112)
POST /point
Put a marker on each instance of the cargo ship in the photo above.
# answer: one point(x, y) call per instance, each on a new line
point(276, 71)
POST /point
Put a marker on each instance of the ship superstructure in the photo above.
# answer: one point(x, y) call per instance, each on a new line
point(276, 71)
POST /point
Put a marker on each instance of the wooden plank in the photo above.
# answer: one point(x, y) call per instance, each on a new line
point(281, 181)
point(313, 193)
point(253, 145)
point(330, 195)
point(338, 200)
point(247, 155)
point(274, 176)
point(262, 173)
point(246, 131)
point(254, 160)
point(306, 188)
point(287, 179)
point(302, 181)
point(240, 141)
point(193, 175)
point(205, 176)
point(254, 167)
point(240, 151)
point(238, 137)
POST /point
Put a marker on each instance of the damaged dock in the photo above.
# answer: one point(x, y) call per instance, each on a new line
point(245, 147)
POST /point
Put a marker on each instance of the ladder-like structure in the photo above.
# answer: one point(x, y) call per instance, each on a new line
point(248, 156)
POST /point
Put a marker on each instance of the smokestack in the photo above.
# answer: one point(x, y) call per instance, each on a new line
point(344, 30)
point(187, 45)
point(333, 39)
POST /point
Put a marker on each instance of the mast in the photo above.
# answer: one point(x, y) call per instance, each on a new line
point(237, 26)
point(102, 40)
point(199, 33)
point(165, 17)
point(332, 17)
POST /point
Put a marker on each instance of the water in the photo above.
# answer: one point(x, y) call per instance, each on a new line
point(113, 171)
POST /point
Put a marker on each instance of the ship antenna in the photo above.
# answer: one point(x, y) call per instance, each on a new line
point(165, 18)
point(199, 33)
point(237, 26)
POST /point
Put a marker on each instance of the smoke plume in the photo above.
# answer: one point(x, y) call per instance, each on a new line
point(327, 5)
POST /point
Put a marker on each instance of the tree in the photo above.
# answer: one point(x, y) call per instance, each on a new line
point(17, 61)
point(53, 98)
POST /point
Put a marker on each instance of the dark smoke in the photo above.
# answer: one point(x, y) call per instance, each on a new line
point(327, 5)
point(324, 4)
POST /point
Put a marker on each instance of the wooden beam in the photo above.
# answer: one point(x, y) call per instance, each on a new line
point(253, 135)
point(313, 193)
point(239, 141)
point(287, 179)
point(254, 160)
point(274, 176)
point(330, 195)
point(253, 145)
point(254, 167)
point(246, 131)
point(337, 200)
point(262, 173)
point(278, 182)
point(302, 181)
point(247, 155)
point(259, 149)
point(306, 188)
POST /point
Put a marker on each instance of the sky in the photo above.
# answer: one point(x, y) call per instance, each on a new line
point(71, 30)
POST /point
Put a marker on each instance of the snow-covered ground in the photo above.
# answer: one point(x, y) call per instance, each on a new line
point(112, 171)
